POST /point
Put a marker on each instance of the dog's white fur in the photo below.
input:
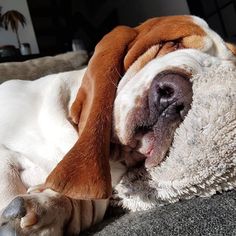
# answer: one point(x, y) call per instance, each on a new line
point(35, 129)
point(36, 134)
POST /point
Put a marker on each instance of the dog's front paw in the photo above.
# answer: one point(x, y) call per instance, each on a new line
point(44, 213)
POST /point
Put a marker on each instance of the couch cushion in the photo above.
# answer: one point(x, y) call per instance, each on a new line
point(36, 68)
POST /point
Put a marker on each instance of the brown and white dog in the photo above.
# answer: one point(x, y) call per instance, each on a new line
point(49, 128)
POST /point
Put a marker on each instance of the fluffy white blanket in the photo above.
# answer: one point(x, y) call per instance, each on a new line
point(202, 159)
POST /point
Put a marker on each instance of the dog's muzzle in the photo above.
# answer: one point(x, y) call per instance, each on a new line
point(167, 102)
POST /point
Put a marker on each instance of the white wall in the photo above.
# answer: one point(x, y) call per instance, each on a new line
point(26, 34)
point(134, 12)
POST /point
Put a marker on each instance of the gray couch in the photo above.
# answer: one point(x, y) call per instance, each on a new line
point(215, 216)
point(36, 68)
point(199, 216)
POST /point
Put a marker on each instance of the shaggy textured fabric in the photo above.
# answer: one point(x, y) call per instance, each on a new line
point(215, 216)
point(36, 68)
point(202, 159)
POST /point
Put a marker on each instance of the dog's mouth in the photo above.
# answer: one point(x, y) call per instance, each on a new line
point(153, 124)
point(154, 143)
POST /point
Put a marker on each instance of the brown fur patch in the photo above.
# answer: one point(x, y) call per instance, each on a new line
point(161, 30)
point(193, 41)
point(84, 172)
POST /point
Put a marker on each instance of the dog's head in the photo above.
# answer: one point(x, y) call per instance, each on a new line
point(153, 96)
point(151, 104)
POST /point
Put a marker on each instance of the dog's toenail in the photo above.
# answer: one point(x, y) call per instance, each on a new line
point(16, 209)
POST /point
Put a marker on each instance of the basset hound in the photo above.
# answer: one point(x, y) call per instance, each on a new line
point(66, 139)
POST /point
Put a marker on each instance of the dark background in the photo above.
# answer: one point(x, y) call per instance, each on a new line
point(57, 22)
point(220, 15)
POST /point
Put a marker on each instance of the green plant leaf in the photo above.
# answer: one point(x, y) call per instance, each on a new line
point(12, 19)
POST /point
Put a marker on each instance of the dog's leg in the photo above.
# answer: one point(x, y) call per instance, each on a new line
point(49, 213)
point(10, 181)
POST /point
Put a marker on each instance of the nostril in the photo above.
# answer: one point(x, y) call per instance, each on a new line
point(166, 91)
point(179, 108)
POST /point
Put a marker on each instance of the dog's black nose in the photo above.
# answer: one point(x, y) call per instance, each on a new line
point(170, 95)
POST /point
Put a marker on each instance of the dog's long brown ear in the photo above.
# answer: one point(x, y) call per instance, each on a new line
point(84, 172)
